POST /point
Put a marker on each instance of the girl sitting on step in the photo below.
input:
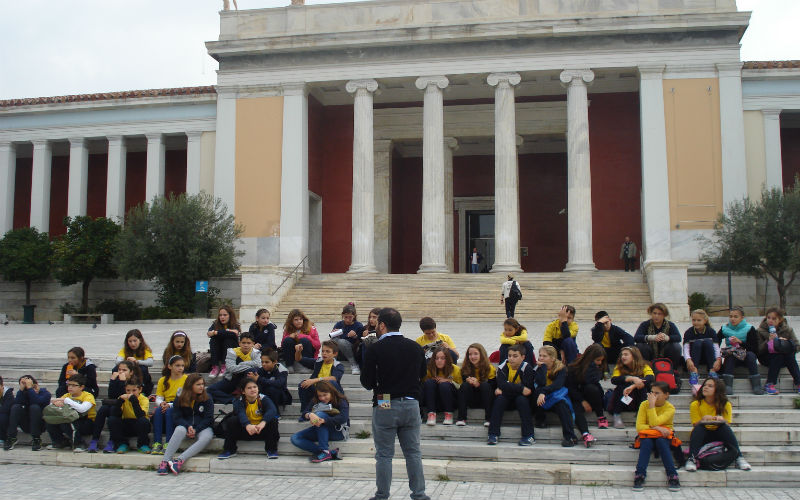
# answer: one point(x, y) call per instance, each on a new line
point(328, 423)
point(777, 346)
point(741, 339)
point(349, 336)
point(300, 344)
point(168, 388)
point(77, 364)
point(263, 331)
point(631, 378)
point(513, 334)
point(583, 383)
point(479, 380)
point(551, 393)
point(135, 349)
point(440, 387)
point(701, 345)
point(193, 414)
point(179, 344)
point(254, 419)
point(223, 334)
point(116, 387)
point(712, 415)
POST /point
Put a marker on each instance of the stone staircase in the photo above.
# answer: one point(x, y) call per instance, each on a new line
point(470, 297)
point(767, 428)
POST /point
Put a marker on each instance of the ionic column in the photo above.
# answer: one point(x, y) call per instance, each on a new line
point(8, 177)
point(193, 148)
point(40, 185)
point(579, 180)
point(294, 175)
point(450, 145)
point(433, 205)
point(78, 177)
point(154, 181)
point(115, 183)
point(734, 167)
point(772, 148)
point(506, 178)
point(383, 204)
point(363, 236)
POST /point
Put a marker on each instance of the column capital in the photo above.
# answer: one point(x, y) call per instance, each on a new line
point(576, 76)
point(154, 137)
point(369, 84)
point(294, 88)
point(495, 79)
point(77, 141)
point(382, 145)
point(730, 69)
point(40, 143)
point(194, 135)
point(451, 142)
point(651, 71)
point(424, 82)
point(115, 138)
point(771, 114)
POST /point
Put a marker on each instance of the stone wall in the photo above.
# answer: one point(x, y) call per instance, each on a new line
point(747, 292)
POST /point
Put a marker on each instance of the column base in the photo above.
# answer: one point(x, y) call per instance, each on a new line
point(506, 268)
point(362, 269)
point(576, 267)
point(433, 268)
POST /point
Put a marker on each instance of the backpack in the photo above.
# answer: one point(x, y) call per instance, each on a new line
point(665, 372)
point(218, 425)
point(202, 360)
point(515, 293)
point(715, 456)
point(55, 415)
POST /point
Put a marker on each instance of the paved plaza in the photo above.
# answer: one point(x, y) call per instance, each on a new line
point(118, 484)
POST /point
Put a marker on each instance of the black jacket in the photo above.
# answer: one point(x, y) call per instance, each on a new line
point(88, 370)
point(526, 377)
point(394, 365)
point(200, 416)
point(264, 336)
point(617, 336)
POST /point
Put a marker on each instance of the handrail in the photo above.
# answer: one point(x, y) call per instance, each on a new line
point(291, 273)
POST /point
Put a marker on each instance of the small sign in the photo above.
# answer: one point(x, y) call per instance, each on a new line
point(201, 286)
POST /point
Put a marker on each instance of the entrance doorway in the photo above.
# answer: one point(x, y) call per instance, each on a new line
point(480, 235)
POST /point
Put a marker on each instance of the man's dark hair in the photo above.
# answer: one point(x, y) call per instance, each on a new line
point(599, 315)
point(427, 323)
point(391, 318)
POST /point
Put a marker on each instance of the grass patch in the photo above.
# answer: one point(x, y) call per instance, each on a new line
point(367, 434)
point(442, 477)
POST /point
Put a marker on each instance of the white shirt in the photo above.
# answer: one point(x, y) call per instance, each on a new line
point(507, 288)
point(475, 257)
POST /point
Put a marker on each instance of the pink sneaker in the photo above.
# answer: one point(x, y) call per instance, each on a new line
point(214, 371)
point(222, 370)
point(588, 440)
point(602, 423)
point(448, 418)
point(431, 418)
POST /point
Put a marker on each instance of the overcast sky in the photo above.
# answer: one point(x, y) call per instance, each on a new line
point(57, 47)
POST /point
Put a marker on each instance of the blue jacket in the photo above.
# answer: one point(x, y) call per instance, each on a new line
point(668, 327)
point(200, 416)
point(541, 380)
point(7, 401)
point(29, 397)
point(356, 326)
point(525, 378)
point(616, 335)
point(337, 370)
point(277, 379)
point(264, 336)
point(268, 410)
point(342, 419)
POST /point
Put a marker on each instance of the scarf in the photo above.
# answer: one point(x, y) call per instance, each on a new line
point(658, 347)
point(740, 331)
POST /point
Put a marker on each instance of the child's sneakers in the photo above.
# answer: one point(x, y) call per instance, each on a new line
point(491, 440)
point(638, 483)
point(602, 423)
point(175, 466)
point(163, 468)
point(487, 424)
point(742, 464)
point(771, 389)
point(673, 483)
point(618, 423)
point(109, 447)
point(448, 419)
point(123, 448)
point(691, 465)
point(798, 389)
point(158, 449)
point(588, 440)
point(36, 444)
point(356, 370)
point(226, 455)
point(528, 441)
point(461, 423)
point(694, 379)
point(214, 371)
point(323, 456)
point(272, 455)
point(144, 449)
point(431, 419)
point(567, 443)
point(222, 370)
point(10, 444)
point(92, 446)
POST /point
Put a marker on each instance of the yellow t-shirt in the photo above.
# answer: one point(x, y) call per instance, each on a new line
point(83, 398)
point(455, 376)
point(699, 409)
point(492, 374)
point(553, 331)
point(511, 374)
point(606, 340)
point(660, 416)
point(325, 370)
point(171, 393)
point(647, 371)
point(147, 354)
point(253, 412)
point(127, 407)
point(423, 340)
point(241, 355)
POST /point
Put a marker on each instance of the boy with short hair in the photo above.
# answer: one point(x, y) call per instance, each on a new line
point(431, 338)
point(325, 368)
point(610, 336)
point(561, 333)
point(515, 384)
point(239, 361)
point(66, 435)
point(654, 425)
point(129, 418)
point(272, 379)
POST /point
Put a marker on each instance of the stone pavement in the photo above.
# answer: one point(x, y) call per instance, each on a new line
point(118, 484)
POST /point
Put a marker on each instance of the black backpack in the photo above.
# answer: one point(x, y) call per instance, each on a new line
point(715, 456)
point(515, 293)
point(218, 426)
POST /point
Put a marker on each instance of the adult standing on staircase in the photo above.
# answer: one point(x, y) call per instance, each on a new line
point(510, 294)
point(393, 368)
point(627, 253)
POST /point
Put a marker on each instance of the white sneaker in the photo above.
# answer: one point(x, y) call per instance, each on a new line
point(486, 424)
point(691, 466)
point(742, 464)
point(431, 419)
point(356, 370)
point(618, 423)
point(461, 423)
point(448, 419)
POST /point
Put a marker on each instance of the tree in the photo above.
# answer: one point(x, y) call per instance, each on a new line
point(85, 252)
point(177, 241)
point(760, 238)
point(25, 256)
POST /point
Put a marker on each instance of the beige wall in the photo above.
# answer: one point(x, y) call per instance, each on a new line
point(691, 109)
point(755, 152)
point(208, 142)
point(259, 137)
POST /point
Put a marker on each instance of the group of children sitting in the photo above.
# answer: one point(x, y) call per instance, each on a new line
point(254, 380)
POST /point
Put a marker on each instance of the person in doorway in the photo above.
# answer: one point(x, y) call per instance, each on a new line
point(475, 259)
point(628, 254)
point(511, 294)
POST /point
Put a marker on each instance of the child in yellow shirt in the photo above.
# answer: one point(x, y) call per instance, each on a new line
point(440, 387)
point(168, 388)
point(560, 333)
point(513, 334)
point(431, 339)
point(66, 435)
point(656, 414)
point(129, 418)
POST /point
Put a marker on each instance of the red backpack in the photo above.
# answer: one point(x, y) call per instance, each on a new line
point(665, 372)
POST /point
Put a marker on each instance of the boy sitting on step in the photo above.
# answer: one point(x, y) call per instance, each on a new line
point(239, 361)
point(515, 384)
point(325, 368)
point(272, 379)
point(561, 333)
point(431, 339)
point(66, 435)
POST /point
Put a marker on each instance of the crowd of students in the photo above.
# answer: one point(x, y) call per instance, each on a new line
point(252, 374)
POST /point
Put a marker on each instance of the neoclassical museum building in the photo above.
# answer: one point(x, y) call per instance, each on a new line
point(393, 136)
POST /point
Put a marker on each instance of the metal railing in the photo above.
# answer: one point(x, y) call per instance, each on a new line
point(293, 272)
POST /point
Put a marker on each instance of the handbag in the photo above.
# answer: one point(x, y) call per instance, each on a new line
point(737, 352)
point(780, 346)
point(53, 414)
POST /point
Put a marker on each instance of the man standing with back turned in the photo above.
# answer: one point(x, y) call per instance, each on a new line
point(393, 369)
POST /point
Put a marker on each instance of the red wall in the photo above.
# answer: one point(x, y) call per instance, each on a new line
point(175, 172)
point(135, 173)
point(790, 154)
point(614, 139)
point(22, 193)
point(406, 214)
point(59, 191)
point(96, 189)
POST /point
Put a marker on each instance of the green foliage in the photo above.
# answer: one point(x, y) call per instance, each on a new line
point(760, 238)
point(25, 256)
point(85, 252)
point(122, 309)
point(177, 241)
point(797, 403)
point(159, 312)
point(699, 300)
point(362, 435)
point(67, 308)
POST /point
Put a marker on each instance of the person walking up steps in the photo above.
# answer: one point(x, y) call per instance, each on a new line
point(510, 294)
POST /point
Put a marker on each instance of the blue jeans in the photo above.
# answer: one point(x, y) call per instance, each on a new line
point(401, 421)
point(702, 351)
point(315, 439)
point(162, 422)
point(474, 268)
point(646, 449)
